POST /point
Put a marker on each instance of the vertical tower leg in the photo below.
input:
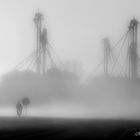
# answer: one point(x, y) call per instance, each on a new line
point(44, 61)
point(38, 21)
point(106, 55)
point(133, 49)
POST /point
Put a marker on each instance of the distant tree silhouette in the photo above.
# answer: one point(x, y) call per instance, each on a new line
point(19, 109)
point(26, 102)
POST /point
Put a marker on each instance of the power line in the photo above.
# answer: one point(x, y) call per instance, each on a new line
point(61, 63)
point(119, 52)
point(120, 40)
point(112, 50)
point(24, 60)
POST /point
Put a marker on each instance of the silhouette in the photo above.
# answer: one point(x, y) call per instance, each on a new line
point(26, 102)
point(19, 109)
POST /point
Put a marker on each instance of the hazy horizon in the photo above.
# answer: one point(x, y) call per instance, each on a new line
point(75, 30)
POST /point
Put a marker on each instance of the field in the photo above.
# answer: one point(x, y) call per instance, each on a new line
point(60, 128)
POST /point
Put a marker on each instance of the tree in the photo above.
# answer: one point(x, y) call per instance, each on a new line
point(26, 102)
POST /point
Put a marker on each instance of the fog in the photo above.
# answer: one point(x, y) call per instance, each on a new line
point(75, 29)
point(61, 93)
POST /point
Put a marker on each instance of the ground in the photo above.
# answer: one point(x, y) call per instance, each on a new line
point(61, 128)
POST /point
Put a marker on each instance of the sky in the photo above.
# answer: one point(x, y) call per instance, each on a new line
point(75, 28)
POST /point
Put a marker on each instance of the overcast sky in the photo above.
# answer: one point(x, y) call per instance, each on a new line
point(75, 28)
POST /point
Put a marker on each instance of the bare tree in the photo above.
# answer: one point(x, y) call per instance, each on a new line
point(26, 102)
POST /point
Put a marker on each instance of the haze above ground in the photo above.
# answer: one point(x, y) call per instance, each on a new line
point(75, 29)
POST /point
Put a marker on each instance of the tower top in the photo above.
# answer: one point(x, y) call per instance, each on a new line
point(133, 23)
point(38, 17)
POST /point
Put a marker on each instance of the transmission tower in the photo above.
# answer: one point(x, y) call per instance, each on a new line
point(41, 44)
point(44, 55)
point(107, 52)
point(44, 42)
point(38, 22)
point(133, 55)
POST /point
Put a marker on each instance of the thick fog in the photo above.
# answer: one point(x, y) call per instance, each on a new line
point(60, 93)
point(75, 30)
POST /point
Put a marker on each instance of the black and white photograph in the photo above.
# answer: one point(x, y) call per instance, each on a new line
point(69, 69)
